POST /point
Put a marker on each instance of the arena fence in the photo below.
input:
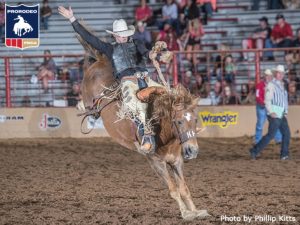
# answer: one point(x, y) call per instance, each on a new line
point(20, 90)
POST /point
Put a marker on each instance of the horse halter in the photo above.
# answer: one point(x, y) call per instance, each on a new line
point(183, 136)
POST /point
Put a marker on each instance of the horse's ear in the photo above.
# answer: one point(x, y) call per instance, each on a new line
point(194, 103)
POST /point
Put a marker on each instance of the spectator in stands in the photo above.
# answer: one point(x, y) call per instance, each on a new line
point(275, 4)
point(73, 96)
point(228, 97)
point(187, 80)
point(207, 7)
point(294, 97)
point(255, 5)
point(259, 37)
point(292, 58)
point(248, 97)
point(144, 13)
point(26, 102)
point(276, 102)
point(2, 20)
point(170, 15)
point(291, 4)
point(46, 13)
point(191, 10)
point(169, 36)
point(47, 70)
point(261, 113)
point(195, 33)
point(282, 35)
point(216, 94)
point(230, 69)
point(199, 87)
point(143, 34)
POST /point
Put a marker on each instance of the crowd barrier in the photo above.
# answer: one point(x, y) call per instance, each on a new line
point(222, 121)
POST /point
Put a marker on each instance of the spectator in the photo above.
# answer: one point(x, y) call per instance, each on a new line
point(144, 13)
point(46, 13)
point(282, 35)
point(195, 33)
point(294, 98)
point(228, 97)
point(199, 87)
point(261, 113)
point(292, 58)
point(47, 70)
point(143, 34)
point(259, 37)
point(187, 80)
point(216, 94)
point(169, 36)
point(26, 102)
point(249, 96)
point(191, 10)
point(255, 5)
point(230, 70)
point(276, 102)
point(207, 7)
point(74, 96)
point(291, 4)
point(2, 20)
point(275, 4)
point(170, 15)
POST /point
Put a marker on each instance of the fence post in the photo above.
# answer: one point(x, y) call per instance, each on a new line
point(175, 70)
point(7, 82)
point(257, 67)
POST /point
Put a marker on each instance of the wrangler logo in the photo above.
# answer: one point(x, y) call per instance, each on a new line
point(222, 119)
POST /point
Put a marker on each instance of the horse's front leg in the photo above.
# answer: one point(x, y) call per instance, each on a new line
point(185, 194)
point(160, 167)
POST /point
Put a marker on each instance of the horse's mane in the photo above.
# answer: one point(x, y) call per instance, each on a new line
point(178, 98)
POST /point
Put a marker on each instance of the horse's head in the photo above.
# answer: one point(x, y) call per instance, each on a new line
point(184, 122)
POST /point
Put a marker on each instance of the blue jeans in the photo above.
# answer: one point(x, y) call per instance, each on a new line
point(44, 21)
point(255, 4)
point(274, 125)
point(286, 43)
point(261, 115)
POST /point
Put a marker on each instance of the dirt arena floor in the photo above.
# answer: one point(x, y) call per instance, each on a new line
point(95, 181)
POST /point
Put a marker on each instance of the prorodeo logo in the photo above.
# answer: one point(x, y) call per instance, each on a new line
point(22, 26)
point(49, 122)
point(221, 119)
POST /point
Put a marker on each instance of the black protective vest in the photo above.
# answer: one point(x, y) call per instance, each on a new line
point(126, 56)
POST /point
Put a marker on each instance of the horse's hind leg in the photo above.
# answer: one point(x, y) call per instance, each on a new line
point(160, 168)
point(184, 191)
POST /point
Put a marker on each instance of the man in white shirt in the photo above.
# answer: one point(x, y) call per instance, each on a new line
point(276, 102)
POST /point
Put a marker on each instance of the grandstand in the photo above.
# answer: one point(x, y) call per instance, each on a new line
point(229, 25)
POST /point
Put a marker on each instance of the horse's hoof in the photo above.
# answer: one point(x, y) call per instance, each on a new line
point(202, 213)
point(188, 215)
point(191, 215)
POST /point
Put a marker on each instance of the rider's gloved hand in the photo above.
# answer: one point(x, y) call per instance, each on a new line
point(67, 13)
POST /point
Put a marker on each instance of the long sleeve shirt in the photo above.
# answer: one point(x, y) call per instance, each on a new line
point(276, 95)
point(170, 11)
point(107, 48)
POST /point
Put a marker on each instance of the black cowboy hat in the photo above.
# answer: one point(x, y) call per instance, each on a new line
point(265, 19)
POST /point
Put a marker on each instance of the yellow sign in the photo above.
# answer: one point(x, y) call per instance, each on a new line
point(221, 119)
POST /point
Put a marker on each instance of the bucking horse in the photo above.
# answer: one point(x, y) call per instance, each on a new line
point(176, 126)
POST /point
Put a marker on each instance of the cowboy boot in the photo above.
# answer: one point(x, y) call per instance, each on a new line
point(148, 144)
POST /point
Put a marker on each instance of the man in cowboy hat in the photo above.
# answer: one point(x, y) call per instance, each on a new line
point(276, 102)
point(128, 58)
point(261, 113)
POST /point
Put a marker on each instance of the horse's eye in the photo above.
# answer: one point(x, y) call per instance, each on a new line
point(179, 122)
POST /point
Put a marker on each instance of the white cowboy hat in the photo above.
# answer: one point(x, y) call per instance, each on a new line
point(279, 68)
point(121, 29)
point(268, 72)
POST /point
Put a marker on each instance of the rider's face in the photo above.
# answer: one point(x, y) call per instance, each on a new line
point(121, 39)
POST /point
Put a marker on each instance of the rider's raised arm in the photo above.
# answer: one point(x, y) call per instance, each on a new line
point(94, 41)
point(91, 39)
